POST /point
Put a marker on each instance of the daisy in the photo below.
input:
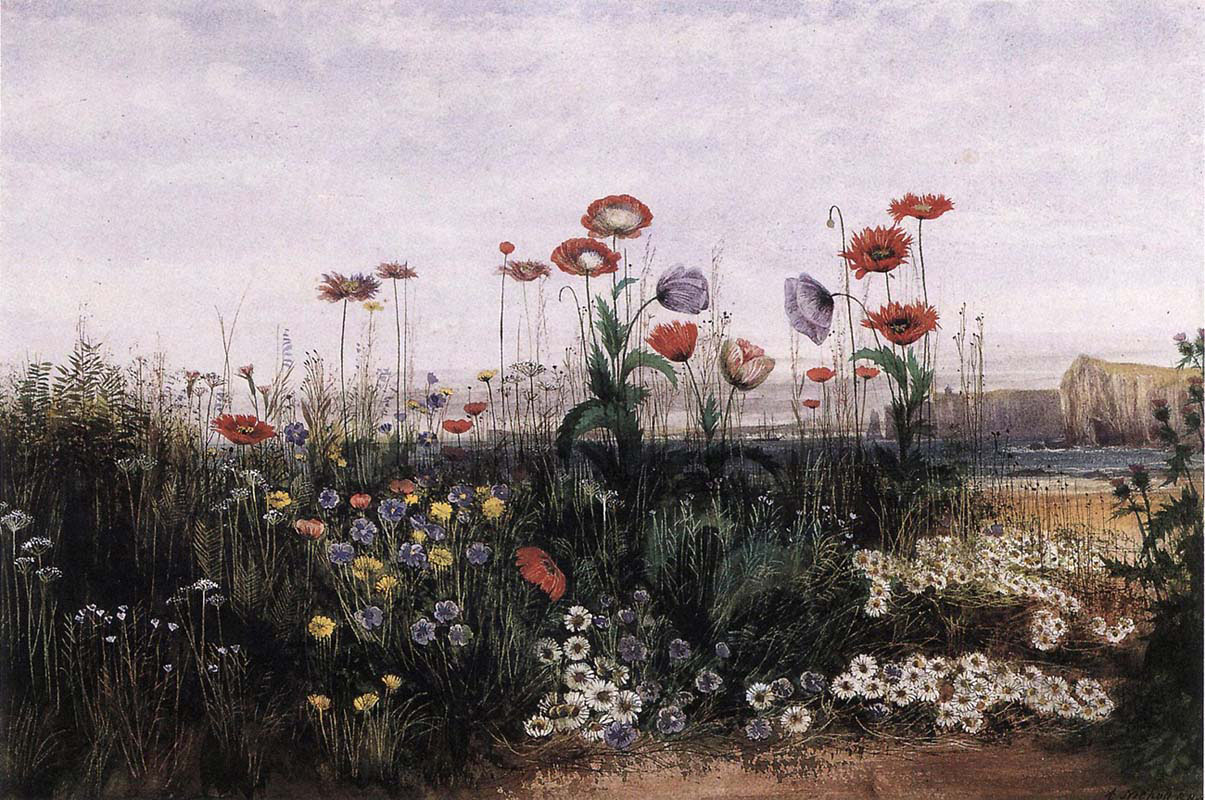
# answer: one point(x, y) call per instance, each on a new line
point(796, 719)
point(538, 727)
point(578, 619)
point(569, 716)
point(626, 707)
point(548, 651)
point(549, 700)
point(845, 686)
point(876, 606)
point(577, 648)
point(1066, 708)
point(759, 695)
point(974, 662)
point(917, 661)
point(927, 689)
point(863, 666)
point(577, 676)
point(901, 694)
point(600, 694)
point(971, 723)
point(872, 688)
point(946, 718)
point(594, 729)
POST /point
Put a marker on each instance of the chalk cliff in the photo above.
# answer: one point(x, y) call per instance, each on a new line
point(1107, 403)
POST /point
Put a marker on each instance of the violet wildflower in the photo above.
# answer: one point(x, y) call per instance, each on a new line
point(460, 635)
point(708, 681)
point(391, 509)
point(328, 499)
point(363, 531)
point(412, 554)
point(296, 434)
point(478, 553)
point(370, 617)
point(446, 611)
point(809, 307)
point(671, 720)
point(341, 552)
point(683, 290)
point(423, 631)
point(679, 650)
point(620, 735)
point(632, 649)
point(758, 728)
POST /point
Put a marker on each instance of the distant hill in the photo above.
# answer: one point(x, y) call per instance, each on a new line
point(1105, 403)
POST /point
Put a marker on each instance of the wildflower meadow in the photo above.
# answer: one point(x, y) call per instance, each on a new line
point(340, 570)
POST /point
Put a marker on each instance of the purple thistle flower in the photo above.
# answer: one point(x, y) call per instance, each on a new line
point(446, 611)
point(412, 554)
point(423, 631)
point(620, 735)
point(478, 553)
point(341, 553)
point(370, 617)
point(683, 290)
point(809, 307)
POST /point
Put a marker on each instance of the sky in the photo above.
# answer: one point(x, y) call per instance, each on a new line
point(161, 162)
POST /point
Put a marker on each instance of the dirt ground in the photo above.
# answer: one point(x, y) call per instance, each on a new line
point(1023, 769)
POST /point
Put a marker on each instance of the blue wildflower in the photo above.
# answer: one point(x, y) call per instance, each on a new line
point(632, 649)
point(436, 401)
point(427, 478)
point(722, 650)
point(758, 728)
point(708, 681)
point(436, 532)
point(296, 434)
point(385, 427)
point(648, 691)
point(459, 635)
point(391, 509)
point(671, 720)
point(328, 499)
point(363, 531)
point(782, 688)
point(412, 554)
point(640, 597)
point(426, 438)
point(478, 553)
point(878, 711)
point(501, 491)
point(446, 611)
point(811, 683)
point(627, 616)
point(341, 552)
point(679, 650)
point(423, 631)
point(370, 617)
point(460, 495)
point(431, 379)
point(601, 622)
point(619, 735)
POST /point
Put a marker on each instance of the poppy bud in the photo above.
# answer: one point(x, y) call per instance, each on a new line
point(506, 248)
point(360, 501)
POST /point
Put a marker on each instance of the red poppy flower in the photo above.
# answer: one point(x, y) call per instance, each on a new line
point(537, 567)
point(243, 428)
point(402, 486)
point(585, 257)
point(309, 528)
point(391, 270)
point(811, 403)
point(820, 374)
point(877, 250)
point(525, 271)
point(360, 501)
point(619, 215)
point(336, 287)
point(457, 426)
point(866, 373)
point(474, 409)
point(506, 248)
point(930, 206)
point(675, 341)
point(902, 324)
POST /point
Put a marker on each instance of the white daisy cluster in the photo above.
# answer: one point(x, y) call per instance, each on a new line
point(1113, 634)
point(1013, 565)
point(963, 691)
point(771, 700)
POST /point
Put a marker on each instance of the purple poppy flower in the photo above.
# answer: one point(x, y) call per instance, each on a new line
point(758, 728)
point(328, 499)
point(501, 491)
point(341, 553)
point(391, 509)
point(722, 650)
point(423, 631)
point(620, 735)
point(478, 553)
point(671, 720)
point(412, 554)
point(363, 531)
point(632, 649)
point(446, 611)
point(370, 617)
point(679, 650)
point(809, 307)
point(683, 290)
point(296, 434)
point(459, 635)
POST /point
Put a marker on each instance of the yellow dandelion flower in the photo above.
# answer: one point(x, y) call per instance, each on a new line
point(446, 391)
point(278, 500)
point(366, 567)
point(386, 584)
point(299, 456)
point(321, 627)
point(493, 508)
point(486, 375)
point(320, 702)
point(440, 512)
point(411, 499)
point(482, 492)
point(373, 306)
point(341, 462)
point(440, 557)
point(418, 536)
point(413, 404)
point(392, 682)
point(366, 701)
